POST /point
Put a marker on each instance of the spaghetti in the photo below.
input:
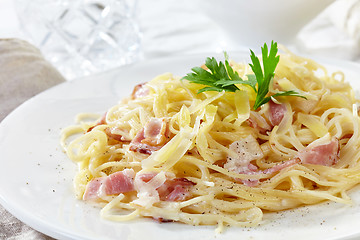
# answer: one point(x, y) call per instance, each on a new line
point(169, 153)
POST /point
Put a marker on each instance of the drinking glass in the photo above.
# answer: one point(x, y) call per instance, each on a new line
point(81, 37)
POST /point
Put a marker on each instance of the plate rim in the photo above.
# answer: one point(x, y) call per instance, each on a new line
point(58, 232)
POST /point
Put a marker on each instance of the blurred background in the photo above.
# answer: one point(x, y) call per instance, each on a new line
point(83, 37)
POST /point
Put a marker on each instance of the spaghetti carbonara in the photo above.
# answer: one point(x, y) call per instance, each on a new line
point(172, 154)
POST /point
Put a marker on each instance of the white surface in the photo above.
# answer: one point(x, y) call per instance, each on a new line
point(9, 25)
point(251, 23)
point(180, 27)
point(36, 176)
point(174, 27)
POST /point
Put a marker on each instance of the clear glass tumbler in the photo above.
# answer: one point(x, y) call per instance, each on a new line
point(81, 37)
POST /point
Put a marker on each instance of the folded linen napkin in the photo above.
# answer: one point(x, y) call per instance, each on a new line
point(23, 74)
point(334, 33)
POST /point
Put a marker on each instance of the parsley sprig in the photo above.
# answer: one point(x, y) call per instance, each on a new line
point(221, 76)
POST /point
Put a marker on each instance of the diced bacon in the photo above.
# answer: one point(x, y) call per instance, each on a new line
point(120, 182)
point(323, 151)
point(250, 170)
point(137, 145)
point(115, 136)
point(152, 137)
point(320, 153)
point(156, 132)
point(177, 193)
point(277, 112)
point(281, 166)
point(146, 186)
point(93, 188)
point(116, 183)
point(175, 189)
point(153, 187)
point(248, 150)
point(275, 115)
point(163, 188)
point(140, 90)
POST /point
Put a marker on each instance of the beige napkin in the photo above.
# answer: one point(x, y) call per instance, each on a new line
point(23, 74)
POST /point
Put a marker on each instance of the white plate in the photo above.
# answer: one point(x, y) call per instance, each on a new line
point(36, 176)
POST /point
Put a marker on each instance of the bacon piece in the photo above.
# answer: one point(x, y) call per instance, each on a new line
point(248, 150)
point(140, 90)
point(173, 189)
point(277, 112)
point(152, 137)
point(281, 166)
point(114, 136)
point(93, 188)
point(156, 132)
point(326, 154)
point(324, 151)
point(120, 182)
point(116, 183)
point(250, 169)
point(176, 189)
point(136, 144)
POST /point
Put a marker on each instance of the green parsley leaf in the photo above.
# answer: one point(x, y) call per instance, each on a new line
point(264, 77)
point(222, 77)
point(216, 76)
